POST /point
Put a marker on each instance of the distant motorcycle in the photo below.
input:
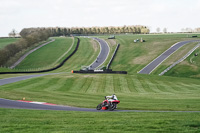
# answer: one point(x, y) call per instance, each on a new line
point(108, 104)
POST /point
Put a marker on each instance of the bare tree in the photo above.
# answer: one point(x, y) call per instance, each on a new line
point(13, 33)
point(165, 30)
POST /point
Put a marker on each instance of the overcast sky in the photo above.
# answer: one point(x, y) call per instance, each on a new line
point(171, 14)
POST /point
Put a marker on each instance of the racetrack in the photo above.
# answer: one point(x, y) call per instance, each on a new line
point(23, 105)
point(156, 62)
point(16, 79)
point(104, 52)
point(4, 103)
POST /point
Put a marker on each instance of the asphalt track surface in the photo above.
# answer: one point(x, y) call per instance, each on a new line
point(4, 103)
point(156, 62)
point(104, 52)
point(16, 79)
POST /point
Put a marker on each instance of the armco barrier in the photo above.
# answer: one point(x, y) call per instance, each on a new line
point(101, 72)
point(47, 70)
point(111, 60)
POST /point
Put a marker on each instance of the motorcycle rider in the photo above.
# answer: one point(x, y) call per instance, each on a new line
point(111, 98)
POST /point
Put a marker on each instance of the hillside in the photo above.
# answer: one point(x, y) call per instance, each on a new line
point(136, 90)
point(47, 56)
point(132, 57)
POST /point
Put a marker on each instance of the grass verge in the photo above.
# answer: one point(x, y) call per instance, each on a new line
point(15, 120)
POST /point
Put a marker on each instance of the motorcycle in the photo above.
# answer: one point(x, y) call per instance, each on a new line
point(108, 104)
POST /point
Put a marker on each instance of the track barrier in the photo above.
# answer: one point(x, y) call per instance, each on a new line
point(111, 60)
point(101, 72)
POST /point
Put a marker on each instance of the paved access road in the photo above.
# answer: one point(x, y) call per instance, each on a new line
point(104, 52)
point(156, 62)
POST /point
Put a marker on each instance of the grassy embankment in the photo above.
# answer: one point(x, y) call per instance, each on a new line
point(6, 41)
point(188, 68)
point(46, 57)
point(15, 58)
point(14, 120)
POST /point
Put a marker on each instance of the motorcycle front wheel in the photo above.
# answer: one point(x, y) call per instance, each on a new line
point(99, 106)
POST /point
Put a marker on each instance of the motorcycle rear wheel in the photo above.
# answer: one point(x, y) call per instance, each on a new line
point(112, 106)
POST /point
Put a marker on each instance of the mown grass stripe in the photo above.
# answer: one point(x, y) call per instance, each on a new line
point(170, 86)
point(39, 85)
point(130, 83)
point(79, 83)
point(161, 86)
point(87, 84)
point(124, 84)
point(184, 87)
point(178, 88)
point(145, 85)
point(94, 85)
point(116, 84)
point(109, 89)
point(138, 85)
point(66, 85)
point(57, 84)
point(153, 86)
point(102, 84)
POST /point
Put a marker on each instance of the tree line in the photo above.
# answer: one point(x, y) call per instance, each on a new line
point(63, 31)
point(29, 37)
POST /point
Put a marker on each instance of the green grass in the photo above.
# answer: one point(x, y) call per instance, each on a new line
point(6, 41)
point(132, 57)
point(15, 120)
point(47, 55)
point(190, 67)
point(134, 91)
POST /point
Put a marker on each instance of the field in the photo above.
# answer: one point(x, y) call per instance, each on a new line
point(6, 41)
point(135, 91)
point(15, 120)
